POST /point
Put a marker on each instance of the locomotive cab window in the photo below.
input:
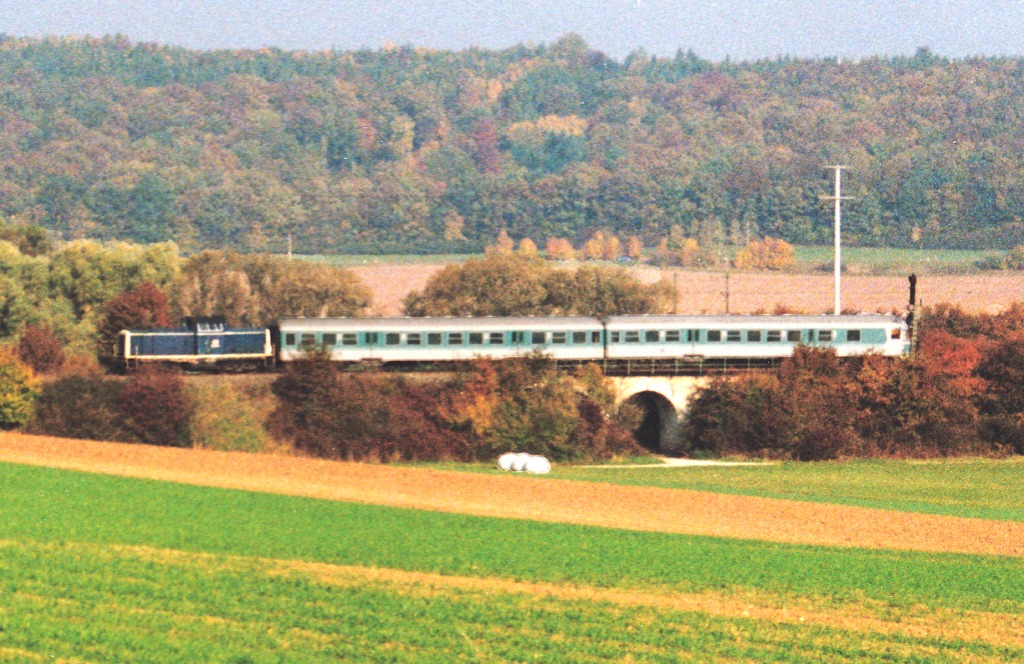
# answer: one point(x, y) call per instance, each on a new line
point(896, 333)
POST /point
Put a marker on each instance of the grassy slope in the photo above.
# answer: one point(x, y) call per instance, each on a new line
point(72, 589)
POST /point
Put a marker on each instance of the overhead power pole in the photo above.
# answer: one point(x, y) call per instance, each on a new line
point(838, 198)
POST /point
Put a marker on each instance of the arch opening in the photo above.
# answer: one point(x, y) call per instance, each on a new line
point(658, 419)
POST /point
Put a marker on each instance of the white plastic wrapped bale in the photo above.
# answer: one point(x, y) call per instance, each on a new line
point(538, 464)
point(505, 460)
point(519, 463)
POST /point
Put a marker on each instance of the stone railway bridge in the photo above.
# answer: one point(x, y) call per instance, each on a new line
point(662, 399)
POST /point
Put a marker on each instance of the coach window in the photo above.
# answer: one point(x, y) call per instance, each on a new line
point(496, 338)
point(434, 338)
point(579, 337)
point(773, 336)
point(537, 338)
point(519, 337)
point(853, 335)
point(330, 340)
point(616, 337)
point(824, 335)
point(455, 338)
point(595, 337)
point(349, 339)
point(392, 338)
point(289, 339)
point(754, 335)
point(371, 338)
point(476, 338)
point(714, 336)
point(672, 336)
point(558, 337)
point(651, 336)
point(632, 336)
point(413, 339)
point(307, 341)
point(793, 336)
point(733, 336)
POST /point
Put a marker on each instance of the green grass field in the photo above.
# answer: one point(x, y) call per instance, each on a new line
point(112, 569)
point(982, 488)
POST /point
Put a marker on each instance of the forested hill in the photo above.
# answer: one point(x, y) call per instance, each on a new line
point(412, 149)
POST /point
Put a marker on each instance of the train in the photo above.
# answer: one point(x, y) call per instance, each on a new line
point(683, 341)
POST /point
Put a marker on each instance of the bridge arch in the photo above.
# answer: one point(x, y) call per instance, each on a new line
point(662, 400)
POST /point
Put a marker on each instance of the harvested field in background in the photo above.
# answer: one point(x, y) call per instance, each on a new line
point(756, 292)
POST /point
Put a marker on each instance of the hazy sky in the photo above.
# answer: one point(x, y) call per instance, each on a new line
point(713, 29)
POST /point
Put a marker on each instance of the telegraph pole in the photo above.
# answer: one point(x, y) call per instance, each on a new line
point(838, 198)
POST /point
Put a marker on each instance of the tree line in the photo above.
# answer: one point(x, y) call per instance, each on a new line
point(410, 149)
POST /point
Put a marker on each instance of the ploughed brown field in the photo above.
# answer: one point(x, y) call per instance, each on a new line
point(759, 292)
point(524, 497)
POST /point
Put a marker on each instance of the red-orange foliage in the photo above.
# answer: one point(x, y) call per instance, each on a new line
point(142, 307)
point(40, 349)
point(156, 408)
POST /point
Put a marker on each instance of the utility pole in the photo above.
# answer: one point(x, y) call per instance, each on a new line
point(837, 198)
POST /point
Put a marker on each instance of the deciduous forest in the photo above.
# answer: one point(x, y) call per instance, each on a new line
point(407, 149)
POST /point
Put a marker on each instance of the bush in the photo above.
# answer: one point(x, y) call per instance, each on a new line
point(491, 407)
point(156, 408)
point(19, 390)
point(40, 349)
point(224, 418)
point(359, 416)
point(82, 406)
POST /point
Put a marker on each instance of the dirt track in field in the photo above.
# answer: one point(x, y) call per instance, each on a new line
point(526, 497)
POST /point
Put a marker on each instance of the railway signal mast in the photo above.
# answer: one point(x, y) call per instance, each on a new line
point(838, 198)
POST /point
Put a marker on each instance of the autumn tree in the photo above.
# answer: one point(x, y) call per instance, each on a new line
point(19, 389)
point(514, 285)
point(767, 254)
point(143, 307)
point(559, 249)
